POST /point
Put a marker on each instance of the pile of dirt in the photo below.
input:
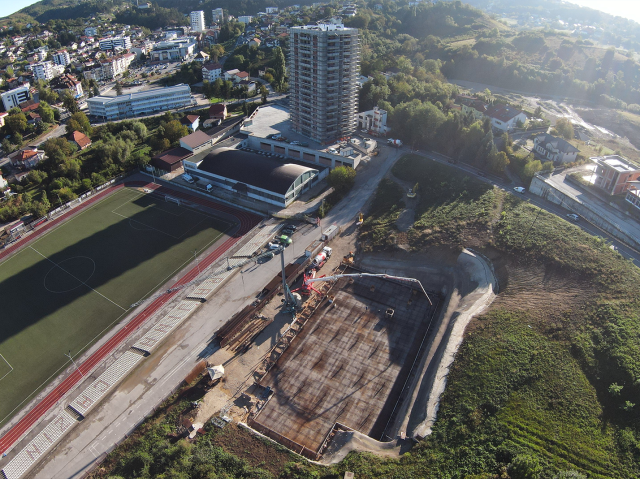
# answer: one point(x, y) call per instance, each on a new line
point(614, 121)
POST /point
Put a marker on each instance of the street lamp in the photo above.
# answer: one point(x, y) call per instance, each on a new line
point(74, 363)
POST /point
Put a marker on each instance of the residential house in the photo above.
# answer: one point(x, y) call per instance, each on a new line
point(505, 118)
point(218, 111)
point(251, 85)
point(33, 118)
point(3, 183)
point(236, 76)
point(171, 160)
point(3, 115)
point(256, 41)
point(191, 121)
point(211, 72)
point(80, 139)
point(27, 157)
point(471, 106)
point(202, 57)
point(555, 149)
point(614, 174)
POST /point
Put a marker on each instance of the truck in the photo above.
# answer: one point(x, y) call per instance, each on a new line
point(313, 248)
point(322, 257)
point(392, 142)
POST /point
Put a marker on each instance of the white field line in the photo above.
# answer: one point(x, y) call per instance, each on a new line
point(5, 360)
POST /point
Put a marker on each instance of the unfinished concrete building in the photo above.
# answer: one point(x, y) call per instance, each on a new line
point(350, 367)
point(324, 64)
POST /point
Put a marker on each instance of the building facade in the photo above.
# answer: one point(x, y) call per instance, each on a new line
point(140, 103)
point(211, 72)
point(614, 174)
point(245, 19)
point(13, 98)
point(324, 64)
point(197, 21)
point(374, 121)
point(112, 43)
point(91, 31)
point(177, 49)
point(43, 71)
point(218, 15)
point(61, 58)
point(555, 149)
point(67, 83)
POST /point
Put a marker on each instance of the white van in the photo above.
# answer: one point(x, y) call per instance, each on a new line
point(188, 178)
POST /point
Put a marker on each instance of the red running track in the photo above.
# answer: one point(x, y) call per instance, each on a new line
point(247, 222)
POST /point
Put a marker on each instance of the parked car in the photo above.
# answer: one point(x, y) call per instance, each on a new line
point(519, 189)
point(573, 216)
point(290, 227)
point(284, 240)
point(273, 246)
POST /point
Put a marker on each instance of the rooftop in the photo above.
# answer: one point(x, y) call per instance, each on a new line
point(253, 169)
point(180, 88)
point(616, 162)
point(196, 139)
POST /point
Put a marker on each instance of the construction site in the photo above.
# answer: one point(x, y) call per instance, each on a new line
point(350, 364)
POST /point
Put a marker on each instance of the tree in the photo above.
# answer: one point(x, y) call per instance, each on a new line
point(46, 112)
point(524, 466)
point(17, 122)
point(174, 130)
point(70, 103)
point(96, 91)
point(118, 88)
point(216, 51)
point(278, 64)
point(531, 169)
point(85, 125)
point(36, 177)
point(564, 128)
point(342, 179)
point(264, 93)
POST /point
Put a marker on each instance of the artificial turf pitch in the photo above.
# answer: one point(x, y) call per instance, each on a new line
point(69, 287)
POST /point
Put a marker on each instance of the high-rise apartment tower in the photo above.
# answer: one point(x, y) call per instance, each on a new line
point(324, 64)
point(197, 21)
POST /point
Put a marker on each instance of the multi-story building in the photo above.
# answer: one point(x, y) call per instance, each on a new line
point(177, 49)
point(271, 10)
point(140, 103)
point(614, 174)
point(374, 120)
point(13, 98)
point(112, 43)
point(67, 83)
point(245, 19)
point(197, 21)
point(110, 68)
point(43, 71)
point(218, 15)
point(324, 64)
point(91, 31)
point(211, 72)
point(61, 58)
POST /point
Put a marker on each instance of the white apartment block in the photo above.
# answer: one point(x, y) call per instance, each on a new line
point(211, 72)
point(112, 43)
point(374, 120)
point(43, 71)
point(245, 19)
point(140, 103)
point(271, 10)
point(197, 21)
point(218, 15)
point(13, 98)
point(114, 66)
point(61, 58)
point(91, 31)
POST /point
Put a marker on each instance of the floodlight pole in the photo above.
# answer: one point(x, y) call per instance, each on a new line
point(74, 363)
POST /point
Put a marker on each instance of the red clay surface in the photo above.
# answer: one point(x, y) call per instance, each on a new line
point(246, 220)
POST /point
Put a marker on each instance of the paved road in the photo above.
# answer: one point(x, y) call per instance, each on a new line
point(623, 249)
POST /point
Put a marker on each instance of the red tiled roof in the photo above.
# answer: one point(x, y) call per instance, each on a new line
point(189, 119)
point(503, 113)
point(242, 75)
point(212, 66)
point(196, 139)
point(24, 155)
point(217, 108)
point(80, 138)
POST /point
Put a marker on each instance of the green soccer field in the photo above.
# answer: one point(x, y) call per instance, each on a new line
point(66, 289)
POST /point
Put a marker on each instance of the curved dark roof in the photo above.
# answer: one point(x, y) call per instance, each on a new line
point(252, 169)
